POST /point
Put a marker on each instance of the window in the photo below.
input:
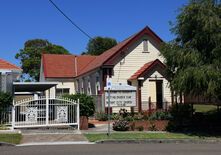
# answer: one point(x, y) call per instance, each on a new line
point(145, 46)
point(62, 91)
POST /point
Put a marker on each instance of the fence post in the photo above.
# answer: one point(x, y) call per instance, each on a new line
point(47, 106)
point(78, 114)
point(13, 116)
point(149, 104)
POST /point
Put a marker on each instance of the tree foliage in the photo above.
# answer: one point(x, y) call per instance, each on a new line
point(30, 55)
point(5, 103)
point(98, 45)
point(193, 58)
point(87, 107)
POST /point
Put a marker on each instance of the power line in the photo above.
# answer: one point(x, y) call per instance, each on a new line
point(71, 21)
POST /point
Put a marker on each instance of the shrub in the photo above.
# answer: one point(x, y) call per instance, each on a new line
point(138, 117)
point(101, 116)
point(140, 128)
point(123, 113)
point(87, 107)
point(181, 117)
point(5, 103)
point(145, 115)
point(115, 116)
point(121, 125)
point(129, 118)
point(160, 115)
point(152, 126)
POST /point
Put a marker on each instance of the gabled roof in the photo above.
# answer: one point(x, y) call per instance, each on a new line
point(145, 68)
point(58, 66)
point(8, 66)
point(67, 66)
point(64, 66)
point(108, 56)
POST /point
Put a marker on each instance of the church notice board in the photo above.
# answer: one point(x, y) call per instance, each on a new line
point(121, 96)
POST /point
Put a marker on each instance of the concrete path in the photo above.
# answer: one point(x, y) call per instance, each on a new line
point(40, 138)
point(52, 136)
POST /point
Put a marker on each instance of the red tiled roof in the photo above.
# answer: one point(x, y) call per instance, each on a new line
point(83, 61)
point(99, 60)
point(146, 67)
point(63, 66)
point(57, 65)
point(7, 65)
point(108, 56)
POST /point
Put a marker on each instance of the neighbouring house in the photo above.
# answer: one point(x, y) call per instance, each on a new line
point(8, 74)
point(135, 61)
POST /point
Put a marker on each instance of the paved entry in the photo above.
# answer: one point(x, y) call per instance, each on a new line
point(51, 138)
point(45, 112)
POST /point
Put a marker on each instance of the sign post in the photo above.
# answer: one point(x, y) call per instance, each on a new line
point(118, 95)
point(109, 85)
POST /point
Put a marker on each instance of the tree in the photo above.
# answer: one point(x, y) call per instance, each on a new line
point(98, 45)
point(30, 56)
point(5, 103)
point(193, 58)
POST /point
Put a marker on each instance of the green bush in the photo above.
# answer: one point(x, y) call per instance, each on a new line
point(123, 113)
point(87, 107)
point(160, 115)
point(152, 126)
point(121, 125)
point(129, 118)
point(5, 103)
point(138, 117)
point(140, 128)
point(181, 117)
point(115, 116)
point(101, 116)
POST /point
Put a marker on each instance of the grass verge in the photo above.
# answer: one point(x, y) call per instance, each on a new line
point(138, 136)
point(204, 108)
point(10, 138)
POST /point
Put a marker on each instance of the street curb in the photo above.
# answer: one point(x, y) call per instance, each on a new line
point(6, 144)
point(55, 143)
point(157, 141)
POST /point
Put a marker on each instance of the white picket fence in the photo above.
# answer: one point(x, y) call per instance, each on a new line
point(45, 112)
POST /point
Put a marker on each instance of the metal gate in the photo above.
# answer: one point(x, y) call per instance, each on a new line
point(43, 112)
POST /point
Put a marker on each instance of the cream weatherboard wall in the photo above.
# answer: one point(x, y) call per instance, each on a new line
point(133, 61)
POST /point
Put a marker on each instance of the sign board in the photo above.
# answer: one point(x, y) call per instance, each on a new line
point(121, 96)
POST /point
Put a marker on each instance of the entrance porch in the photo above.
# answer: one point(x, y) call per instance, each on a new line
point(153, 90)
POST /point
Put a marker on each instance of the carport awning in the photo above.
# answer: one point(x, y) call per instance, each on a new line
point(32, 86)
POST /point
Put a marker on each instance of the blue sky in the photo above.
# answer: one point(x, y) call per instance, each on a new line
point(21, 20)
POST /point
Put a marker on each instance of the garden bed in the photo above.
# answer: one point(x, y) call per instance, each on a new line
point(155, 125)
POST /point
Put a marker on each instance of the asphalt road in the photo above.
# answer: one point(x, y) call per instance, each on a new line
point(116, 149)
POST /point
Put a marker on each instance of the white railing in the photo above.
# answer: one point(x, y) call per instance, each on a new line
point(44, 111)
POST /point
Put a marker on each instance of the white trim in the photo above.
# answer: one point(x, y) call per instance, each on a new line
point(141, 78)
point(35, 83)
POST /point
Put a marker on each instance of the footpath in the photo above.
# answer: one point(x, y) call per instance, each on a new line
point(68, 136)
